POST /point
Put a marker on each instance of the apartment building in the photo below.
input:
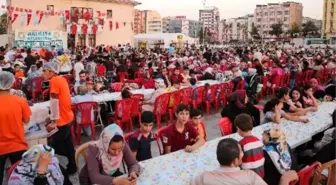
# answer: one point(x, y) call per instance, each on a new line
point(237, 29)
point(288, 13)
point(139, 22)
point(329, 19)
point(147, 21)
point(210, 19)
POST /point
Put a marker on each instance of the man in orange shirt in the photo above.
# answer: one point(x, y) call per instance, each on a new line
point(61, 114)
point(14, 113)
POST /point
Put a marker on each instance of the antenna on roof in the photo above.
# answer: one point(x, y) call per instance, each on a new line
point(203, 2)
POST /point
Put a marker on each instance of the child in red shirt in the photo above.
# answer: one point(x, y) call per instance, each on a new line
point(196, 120)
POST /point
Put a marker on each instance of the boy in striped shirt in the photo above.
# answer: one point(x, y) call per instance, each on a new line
point(252, 147)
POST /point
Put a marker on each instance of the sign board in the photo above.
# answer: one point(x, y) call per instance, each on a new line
point(180, 37)
point(142, 44)
point(39, 39)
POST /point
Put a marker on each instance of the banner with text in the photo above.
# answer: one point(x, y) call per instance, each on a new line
point(39, 39)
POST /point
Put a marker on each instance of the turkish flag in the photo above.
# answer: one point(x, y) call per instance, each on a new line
point(111, 25)
point(67, 14)
point(41, 16)
point(84, 29)
point(73, 29)
point(117, 25)
point(94, 29)
point(29, 16)
point(14, 17)
point(87, 16)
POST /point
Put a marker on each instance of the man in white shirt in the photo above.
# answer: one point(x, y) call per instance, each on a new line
point(78, 67)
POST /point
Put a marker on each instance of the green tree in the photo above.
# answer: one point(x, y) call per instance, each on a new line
point(201, 35)
point(309, 29)
point(295, 30)
point(255, 32)
point(276, 29)
point(3, 23)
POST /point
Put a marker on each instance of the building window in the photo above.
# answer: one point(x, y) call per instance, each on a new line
point(82, 40)
point(279, 13)
point(79, 13)
point(50, 8)
point(266, 13)
point(109, 14)
point(285, 19)
point(92, 40)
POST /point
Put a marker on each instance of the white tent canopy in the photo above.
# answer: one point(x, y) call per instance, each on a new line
point(164, 38)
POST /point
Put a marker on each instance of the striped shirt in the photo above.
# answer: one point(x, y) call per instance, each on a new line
point(253, 155)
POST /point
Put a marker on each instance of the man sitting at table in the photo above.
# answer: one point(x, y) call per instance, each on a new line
point(83, 77)
point(179, 135)
point(229, 156)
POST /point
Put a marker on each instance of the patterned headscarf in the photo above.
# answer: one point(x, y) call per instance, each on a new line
point(26, 171)
point(110, 163)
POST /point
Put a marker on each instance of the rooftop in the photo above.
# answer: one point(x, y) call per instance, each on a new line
point(130, 2)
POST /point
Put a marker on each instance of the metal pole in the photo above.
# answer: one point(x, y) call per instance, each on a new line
point(9, 29)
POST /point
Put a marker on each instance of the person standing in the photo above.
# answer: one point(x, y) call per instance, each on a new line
point(29, 61)
point(78, 67)
point(13, 116)
point(61, 114)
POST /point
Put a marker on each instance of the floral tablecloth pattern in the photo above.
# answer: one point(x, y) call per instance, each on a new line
point(180, 167)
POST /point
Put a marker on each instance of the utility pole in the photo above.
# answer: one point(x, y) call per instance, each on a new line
point(9, 26)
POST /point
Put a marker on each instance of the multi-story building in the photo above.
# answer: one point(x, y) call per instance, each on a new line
point(166, 20)
point(180, 24)
point(329, 19)
point(210, 19)
point(287, 13)
point(82, 16)
point(139, 21)
point(147, 21)
point(194, 28)
point(237, 29)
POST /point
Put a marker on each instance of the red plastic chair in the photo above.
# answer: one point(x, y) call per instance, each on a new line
point(122, 76)
point(176, 97)
point(161, 107)
point(123, 113)
point(205, 135)
point(241, 85)
point(307, 76)
point(159, 139)
point(117, 86)
point(85, 109)
point(299, 79)
point(12, 168)
point(263, 91)
point(225, 126)
point(36, 87)
point(212, 98)
point(228, 88)
point(17, 84)
point(136, 107)
point(101, 70)
point(185, 95)
point(305, 174)
point(221, 95)
point(197, 96)
point(127, 136)
point(323, 75)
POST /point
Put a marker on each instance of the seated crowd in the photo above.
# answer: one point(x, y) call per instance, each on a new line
point(250, 160)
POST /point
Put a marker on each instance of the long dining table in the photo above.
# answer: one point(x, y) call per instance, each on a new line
point(181, 167)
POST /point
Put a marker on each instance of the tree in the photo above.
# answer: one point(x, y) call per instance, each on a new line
point(309, 29)
point(295, 30)
point(255, 32)
point(3, 23)
point(276, 29)
point(200, 35)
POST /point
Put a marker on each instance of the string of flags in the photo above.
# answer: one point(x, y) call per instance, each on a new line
point(27, 16)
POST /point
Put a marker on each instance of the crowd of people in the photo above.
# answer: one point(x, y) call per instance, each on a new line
point(250, 70)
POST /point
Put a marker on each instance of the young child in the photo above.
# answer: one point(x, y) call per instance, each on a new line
point(252, 147)
point(193, 82)
point(196, 120)
point(207, 91)
point(140, 141)
point(18, 72)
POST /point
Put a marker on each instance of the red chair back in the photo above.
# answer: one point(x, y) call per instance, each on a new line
point(176, 96)
point(36, 84)
point(122, 76)
point(299, 78)
point(12, 168)
point(198, 94)
point(85, 109)
point(241, 85)
point(17, 84)
point(305, 174)
point(101, 70)
point(307, 76)
point(225, 126)
point(213, 93)
point(161, 104)
point(228, 88)
point(159, 139)
point(136, 107)
point(117, 86)
point(123, 109)
point(185, 95)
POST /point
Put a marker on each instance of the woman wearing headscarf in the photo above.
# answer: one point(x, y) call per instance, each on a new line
point(318, 90)
point(237, 77)
point(104, 158)
point(160, 89)
point(39, 166)
point(14, 113)
point(279, 157)
point(208, 74)
point(238, 103)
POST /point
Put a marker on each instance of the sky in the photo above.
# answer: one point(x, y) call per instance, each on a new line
point(228, 8)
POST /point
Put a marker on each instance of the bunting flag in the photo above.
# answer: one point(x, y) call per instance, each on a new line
point(111, 25)
point(14, 18)
point(117, 25)
point(22, 19)
point(84, 29)
point(98, 12)
point(95, 29)
point(125, 24)
point(67, 14)
point(35, 19)
point(132, 25)
point(87, 16)
point(73, 29)
point(29, 16)
point(40, 18)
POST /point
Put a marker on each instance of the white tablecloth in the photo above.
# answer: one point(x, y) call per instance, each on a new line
point(180, 167)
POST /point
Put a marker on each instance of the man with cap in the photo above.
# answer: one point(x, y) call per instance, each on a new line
point(14, 113)
point(61, 114)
